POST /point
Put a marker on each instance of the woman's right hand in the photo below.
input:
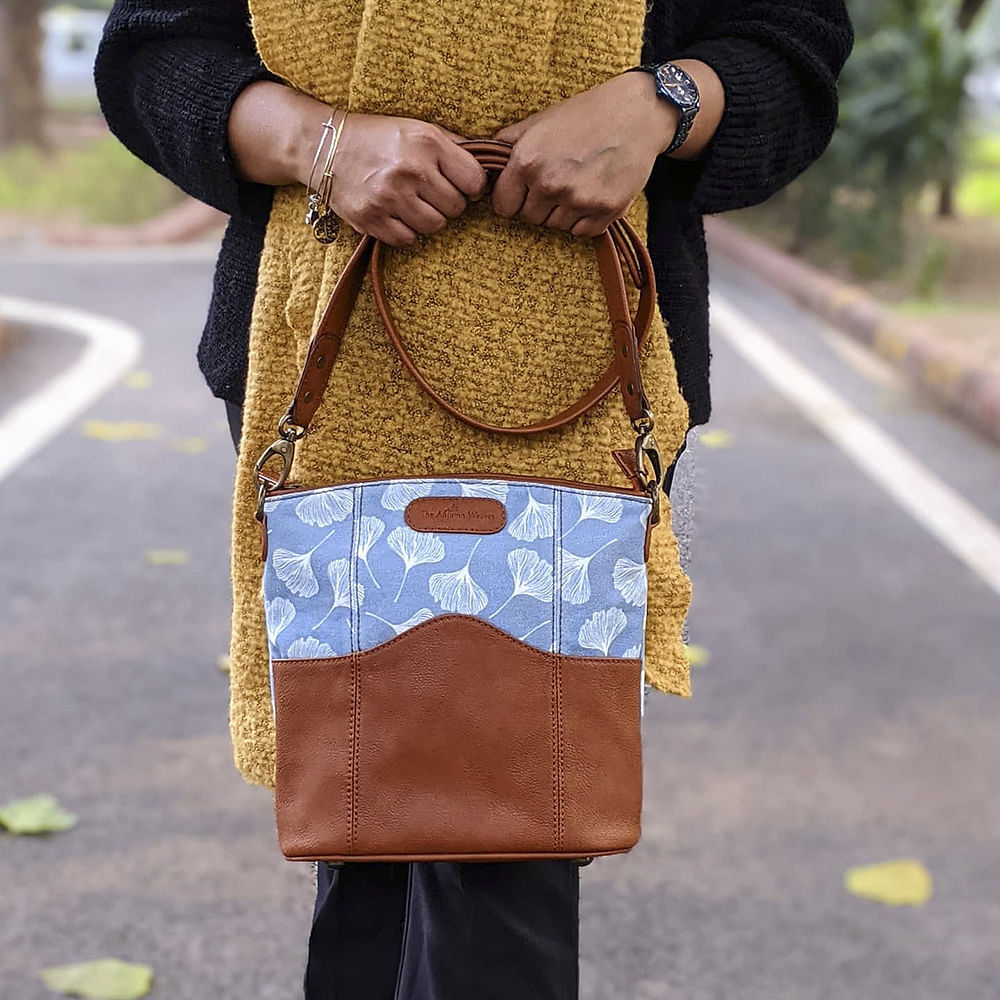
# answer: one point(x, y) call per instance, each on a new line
point(397, 177)
point(393, 178)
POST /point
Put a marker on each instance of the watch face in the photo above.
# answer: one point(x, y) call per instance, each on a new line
point(677, 85)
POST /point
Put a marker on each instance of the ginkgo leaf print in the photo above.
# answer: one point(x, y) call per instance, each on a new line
point(495, 491)
point(340, 580)
point(576, 575)
point(629, 579)
point(596, 507)
point(369, 532)
point(534, 522)
point(294, 569)
point(414, 548)
point(601, 629)
point(398, 495)
point(308, 648)
point(532, 576)
point(424, 614)
point(548, 621)
point(457, 591)
point(632, 653)
point(278, 614)
point(320, 510)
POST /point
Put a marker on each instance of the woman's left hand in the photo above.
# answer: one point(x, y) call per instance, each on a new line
point(579, 164)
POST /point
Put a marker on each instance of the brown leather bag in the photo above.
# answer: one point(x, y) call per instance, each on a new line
point(455, 740)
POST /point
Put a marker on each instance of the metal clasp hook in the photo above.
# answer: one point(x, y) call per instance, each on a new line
point(283, 448)
point(646, 450)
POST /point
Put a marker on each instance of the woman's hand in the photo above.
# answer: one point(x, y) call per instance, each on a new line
point(393, 178)
point(580, 164)
point(397, 177)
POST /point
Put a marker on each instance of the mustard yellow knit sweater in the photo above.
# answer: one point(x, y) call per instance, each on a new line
point(508, 320)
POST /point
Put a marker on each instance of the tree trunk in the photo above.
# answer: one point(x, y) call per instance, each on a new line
point(946, 200)
point(21, 98)
point(968, 11)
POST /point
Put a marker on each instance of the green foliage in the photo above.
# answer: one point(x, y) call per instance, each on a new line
point(979, 193)
point(904, 99)
point(98, 183)
point(979, 190)
point(984, 152)
point(902, 129)
point(84, 4)
point(932, 269)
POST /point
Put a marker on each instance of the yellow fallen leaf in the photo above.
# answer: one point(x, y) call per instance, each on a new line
point(105, 979)
point(223, 664)
point(697, 655)
point(167, 557)
point(120, 430)
point(900, 882)
point(716, 439)
point(35, 814)
point(137, 379)
point(191, 445)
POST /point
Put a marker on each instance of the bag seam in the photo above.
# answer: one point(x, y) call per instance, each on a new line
point(510, 639)
point(357, 496)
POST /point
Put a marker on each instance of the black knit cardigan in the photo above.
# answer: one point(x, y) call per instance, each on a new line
point(168, 71)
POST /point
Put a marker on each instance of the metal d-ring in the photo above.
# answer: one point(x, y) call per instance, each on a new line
point(290, 431)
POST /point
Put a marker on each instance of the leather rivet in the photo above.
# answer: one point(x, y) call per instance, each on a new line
point(631, 390)
point(308, 396)
point(625, 350)
point(320, 361)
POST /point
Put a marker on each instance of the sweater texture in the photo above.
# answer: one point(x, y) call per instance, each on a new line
point(506, 319)
point(168, 71)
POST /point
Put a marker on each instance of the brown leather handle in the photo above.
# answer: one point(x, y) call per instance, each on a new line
point(619, 238)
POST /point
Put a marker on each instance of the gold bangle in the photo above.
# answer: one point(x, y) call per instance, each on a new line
point(326, 228)
point(312, 194)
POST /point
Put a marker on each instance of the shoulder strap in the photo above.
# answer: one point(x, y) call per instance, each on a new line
point(624, 371)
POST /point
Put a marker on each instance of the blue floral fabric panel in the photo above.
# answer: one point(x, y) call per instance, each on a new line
point(345, 572)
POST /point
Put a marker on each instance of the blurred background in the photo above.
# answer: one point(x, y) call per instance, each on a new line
point(822, 819)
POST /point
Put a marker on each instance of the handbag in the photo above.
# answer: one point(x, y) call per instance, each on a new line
point(456, 660)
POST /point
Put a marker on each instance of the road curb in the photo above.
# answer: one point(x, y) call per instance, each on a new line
point(953, 376)
point(183, 223)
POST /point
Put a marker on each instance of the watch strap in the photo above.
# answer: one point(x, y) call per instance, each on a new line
point(687, 115)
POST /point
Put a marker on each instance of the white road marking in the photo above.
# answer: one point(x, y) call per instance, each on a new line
point(950, 518)
point(111, 349)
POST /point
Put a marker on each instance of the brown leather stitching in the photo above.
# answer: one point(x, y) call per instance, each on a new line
point(476, 782)
point(557, 680)
point(506, 636)
point(355, 672)
point(635, 491)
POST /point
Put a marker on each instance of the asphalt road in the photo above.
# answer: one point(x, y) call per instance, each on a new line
point(847, 713)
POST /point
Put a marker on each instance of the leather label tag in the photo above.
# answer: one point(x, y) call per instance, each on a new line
point(475, 515)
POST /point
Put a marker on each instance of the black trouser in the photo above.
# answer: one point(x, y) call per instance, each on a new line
point(437, 930)
point(441, 930)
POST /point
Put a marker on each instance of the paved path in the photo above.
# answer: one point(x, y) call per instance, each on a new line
point(848, 712)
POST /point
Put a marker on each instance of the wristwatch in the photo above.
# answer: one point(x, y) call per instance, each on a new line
point(675, 85)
